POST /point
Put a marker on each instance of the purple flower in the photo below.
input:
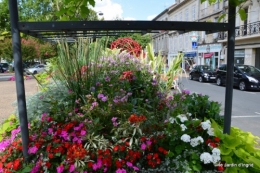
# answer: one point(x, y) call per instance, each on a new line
point(94, 104)
point(50, 130)
point(64, 134)
point(75, 139)
point(143, 146)
point(98, 84)
point(186, 92)
point(76, 128)
point(129, 164)
point(100, 96)
point(149, 142)
point(120, 170)
point(135, 168)
point(104, 99)
point(72, 168)
point(60, 169)
point(107, 79)
point(114, 119)
point(95, 167)
point(83, 132)
point(32, 150)
point(115, 124)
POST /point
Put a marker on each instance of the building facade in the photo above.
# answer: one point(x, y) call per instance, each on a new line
point(210, 48)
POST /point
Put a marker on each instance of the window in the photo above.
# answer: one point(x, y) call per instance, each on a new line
point(187, 14)
point(193, 13)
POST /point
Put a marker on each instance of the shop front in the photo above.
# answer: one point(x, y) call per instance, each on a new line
point(209, 55)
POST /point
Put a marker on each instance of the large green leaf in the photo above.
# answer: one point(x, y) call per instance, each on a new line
point(242, 14)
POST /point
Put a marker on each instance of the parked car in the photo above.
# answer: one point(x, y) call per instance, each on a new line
point(4, 67)
point(36, 69)
point(246, 77)
point(202, 73)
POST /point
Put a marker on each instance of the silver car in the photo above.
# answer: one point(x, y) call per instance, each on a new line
point(36, 69)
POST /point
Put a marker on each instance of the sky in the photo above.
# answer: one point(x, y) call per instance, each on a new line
point(131, 9)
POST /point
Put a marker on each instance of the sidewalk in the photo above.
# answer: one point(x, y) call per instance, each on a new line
point(9, 96)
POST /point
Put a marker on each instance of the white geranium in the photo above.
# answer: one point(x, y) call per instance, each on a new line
point(183, 127)
point(200, 139)
point(194, 142)
point(210, 132)
point(206, 158)
point(215, 159)
point(216, 152)
point(189, 114)
point(185, 138)
point(182, 117)
point(206, 125)
point(172, 120)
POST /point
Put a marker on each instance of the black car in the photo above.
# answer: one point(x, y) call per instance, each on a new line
point(3, 67)
point(246, 77)
point(202, 73)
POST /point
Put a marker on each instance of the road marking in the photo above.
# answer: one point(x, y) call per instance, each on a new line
point(257, 113)
point(250, 92)
point(247, 116)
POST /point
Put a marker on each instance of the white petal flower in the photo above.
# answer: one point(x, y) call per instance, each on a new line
point(206, 125)
point(185, 138)
point(206, 158)
point(216, 152)
point(189, 114)
point(182, 117)
point(194, 142)
point(200, 139)
point(215, 159)
point(183, 127)
point(210, 132)
point(172, 120)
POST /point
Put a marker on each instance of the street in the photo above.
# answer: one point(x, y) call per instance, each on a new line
point(245, 105)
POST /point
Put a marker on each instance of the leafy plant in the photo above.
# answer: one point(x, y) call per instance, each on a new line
point(240, 150)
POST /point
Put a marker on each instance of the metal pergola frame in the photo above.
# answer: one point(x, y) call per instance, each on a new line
point(41, 30)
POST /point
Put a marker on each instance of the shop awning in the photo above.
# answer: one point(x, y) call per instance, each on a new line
point(190, 54)
point(208, 55)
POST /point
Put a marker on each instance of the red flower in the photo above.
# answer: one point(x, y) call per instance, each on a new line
point(216, 139)
point(16, 164)
point(212, 144)
point(220, 168)
point(90, 164)
point(48, 164)
point(116, 148)
point(128, 75)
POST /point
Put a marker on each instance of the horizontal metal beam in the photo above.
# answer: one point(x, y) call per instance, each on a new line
point(120, 25)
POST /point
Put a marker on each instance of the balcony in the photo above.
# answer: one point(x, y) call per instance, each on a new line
point(243, 30)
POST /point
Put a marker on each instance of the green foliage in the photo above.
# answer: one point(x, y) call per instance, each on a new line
point(200, 106)
point(240, 150)
point(8, 125)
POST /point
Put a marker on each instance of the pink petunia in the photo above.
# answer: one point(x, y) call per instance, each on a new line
point(72, 168)
point(149, 142)
point(60, 169)
point(143, 146)
point(83, 132)
point(32, 150)
point(129, 164)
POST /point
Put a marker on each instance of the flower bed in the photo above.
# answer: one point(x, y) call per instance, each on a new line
point(111, 115)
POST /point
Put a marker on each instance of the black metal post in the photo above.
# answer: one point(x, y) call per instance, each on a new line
point(230, 67)
point(19, 80)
